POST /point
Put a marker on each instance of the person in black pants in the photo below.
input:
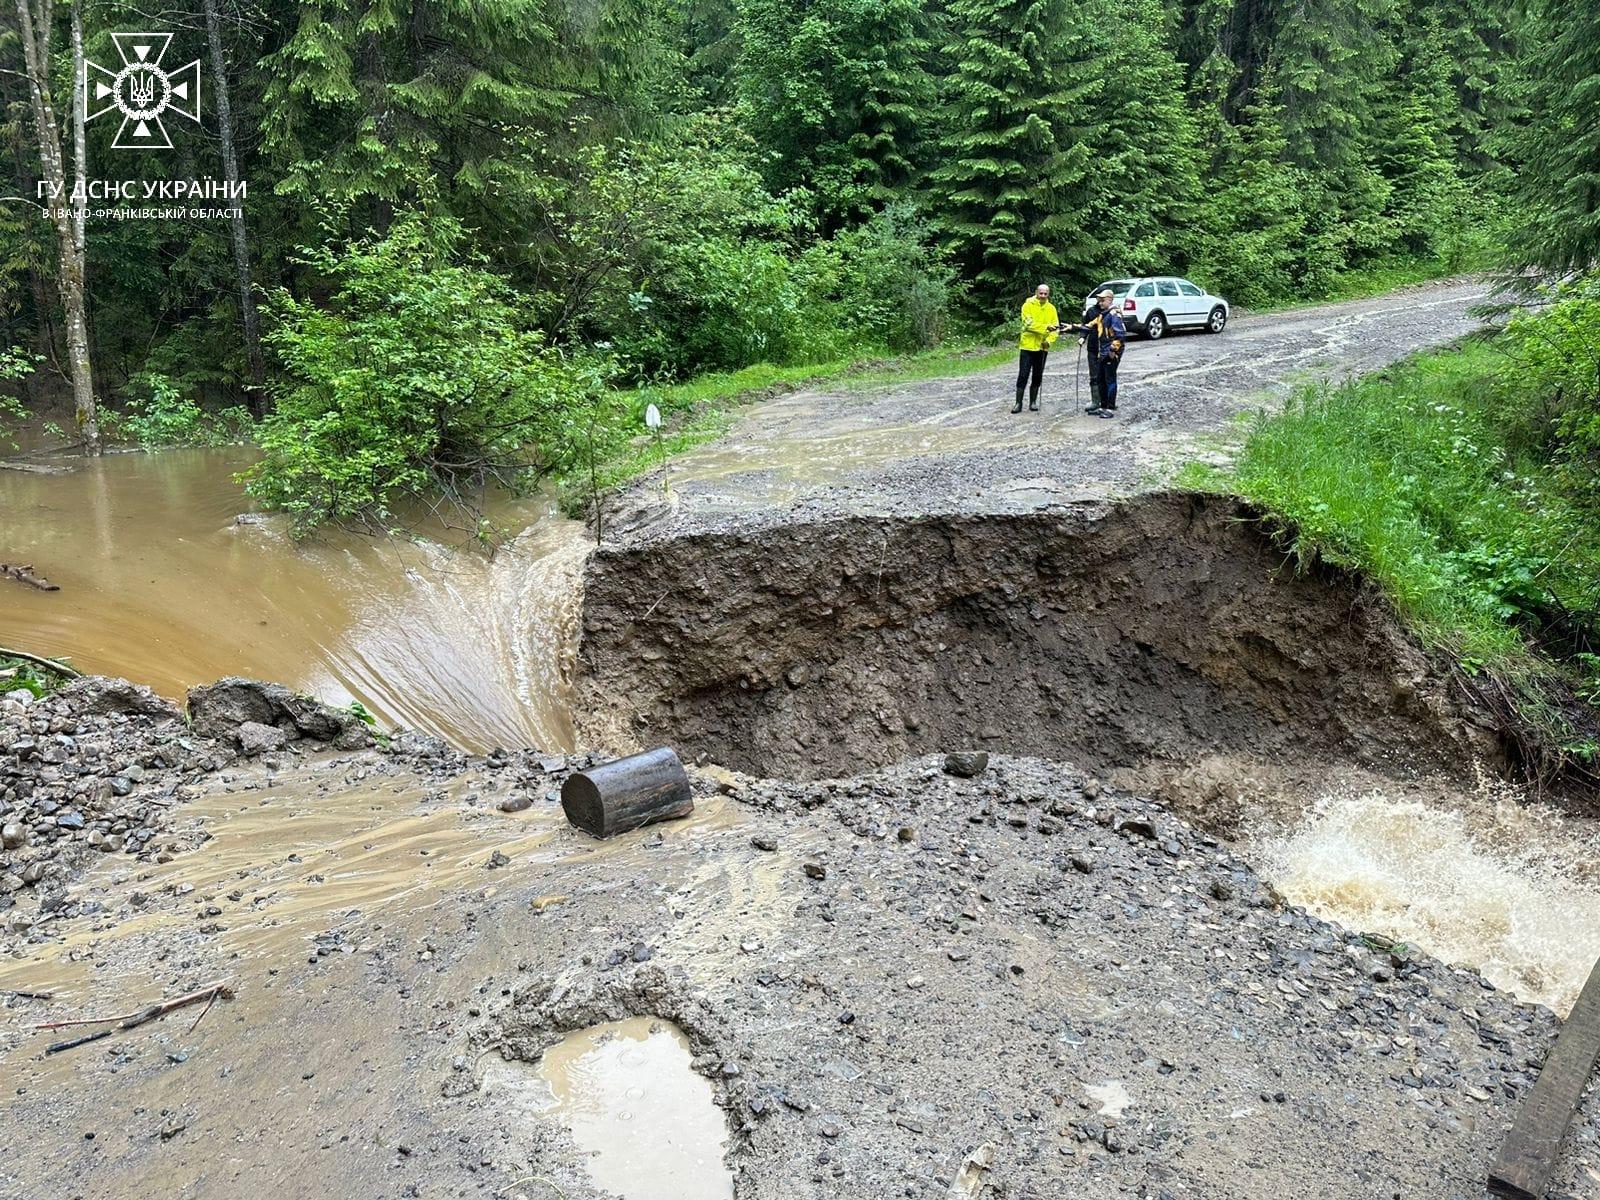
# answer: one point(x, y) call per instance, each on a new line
point(1040, 328)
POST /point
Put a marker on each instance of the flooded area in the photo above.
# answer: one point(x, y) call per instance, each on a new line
point(162, 585)
point(1508, 888)
point(646, 1125)
point(282, 866)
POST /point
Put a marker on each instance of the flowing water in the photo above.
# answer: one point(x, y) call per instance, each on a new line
point(1488, 882)
point(160, 584)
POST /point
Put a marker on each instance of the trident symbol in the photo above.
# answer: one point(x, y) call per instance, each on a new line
point(142, 91)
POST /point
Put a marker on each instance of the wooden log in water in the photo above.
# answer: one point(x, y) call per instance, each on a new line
point(627, 793)
point(1527, 1159)
point(24, 573)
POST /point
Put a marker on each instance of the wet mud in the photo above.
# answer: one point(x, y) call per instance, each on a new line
point(1160, 628)
point(1324, 961)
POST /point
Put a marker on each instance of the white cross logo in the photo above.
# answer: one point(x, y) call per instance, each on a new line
point(141, 91)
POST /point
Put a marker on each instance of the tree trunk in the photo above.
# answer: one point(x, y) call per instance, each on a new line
point(36, 58)
point(248, 314)
point(617, 796)
point(45, 344)
point(80, 151)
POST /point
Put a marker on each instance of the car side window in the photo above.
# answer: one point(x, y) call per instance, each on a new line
point(1146, 289)
point(1189, 289)
point(1167, 287)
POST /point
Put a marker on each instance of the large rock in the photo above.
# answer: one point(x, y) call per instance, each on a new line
point(102, 697)
point(968, 764)
point(220, 709)
point(255, 738)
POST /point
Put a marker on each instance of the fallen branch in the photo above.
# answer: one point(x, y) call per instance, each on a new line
point(58, 1047)
point(137, 1018)
point(49, 664)
point(23, 573)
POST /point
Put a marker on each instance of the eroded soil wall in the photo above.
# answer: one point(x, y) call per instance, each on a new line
point(1162, 628)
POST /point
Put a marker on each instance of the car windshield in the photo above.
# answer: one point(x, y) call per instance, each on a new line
point(1118, 287)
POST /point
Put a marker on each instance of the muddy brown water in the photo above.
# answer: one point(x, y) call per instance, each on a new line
point(646, 1125)
point(160, 584)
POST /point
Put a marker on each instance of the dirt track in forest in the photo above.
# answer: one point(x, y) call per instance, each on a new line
point(951, 445)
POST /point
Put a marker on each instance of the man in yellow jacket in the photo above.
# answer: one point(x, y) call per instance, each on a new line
point(1040, 328)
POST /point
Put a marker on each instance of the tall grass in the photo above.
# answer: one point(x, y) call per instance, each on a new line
point(1430, 479)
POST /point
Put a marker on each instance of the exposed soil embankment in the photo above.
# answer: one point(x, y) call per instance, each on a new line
point(1158, 629)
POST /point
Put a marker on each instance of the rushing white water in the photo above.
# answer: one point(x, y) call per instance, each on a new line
point(1504, 892)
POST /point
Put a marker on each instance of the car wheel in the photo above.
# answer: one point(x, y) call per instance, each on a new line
point(1156, 327)
point(1218, 320)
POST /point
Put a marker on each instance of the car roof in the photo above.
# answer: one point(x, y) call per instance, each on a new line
point(1135, 280)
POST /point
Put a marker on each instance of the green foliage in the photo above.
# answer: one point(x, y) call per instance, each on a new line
point(837, 94)
point(158, 414)
point(699, 185)
point(675, 257)
point(415, 376)
point(29, 676)
point(1558, 184)
point(1559, 346)
point(1425, 479)
point(15, 364)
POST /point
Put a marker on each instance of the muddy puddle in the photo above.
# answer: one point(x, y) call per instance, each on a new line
point(645, 1125)
point(161, 585)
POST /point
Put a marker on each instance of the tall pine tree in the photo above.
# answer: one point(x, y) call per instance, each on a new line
point(1558, 185)
point(837, 92)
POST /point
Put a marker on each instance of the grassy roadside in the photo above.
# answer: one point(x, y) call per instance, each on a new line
point(1437, 479)
point(701, 409)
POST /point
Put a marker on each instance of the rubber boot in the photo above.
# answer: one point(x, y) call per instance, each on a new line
point(1016, 408)
point(1033, 401)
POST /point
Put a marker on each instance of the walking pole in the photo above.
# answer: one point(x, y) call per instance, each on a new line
point(1077, 373)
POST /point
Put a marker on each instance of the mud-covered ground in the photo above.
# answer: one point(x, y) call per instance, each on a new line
point(951, 445)
point(1026, 983)
point(881, 975)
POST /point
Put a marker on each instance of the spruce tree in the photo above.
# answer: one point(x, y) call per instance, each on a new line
point(1002, 169)
point(1066, 146)
point(1558, 186)
point(837, 93)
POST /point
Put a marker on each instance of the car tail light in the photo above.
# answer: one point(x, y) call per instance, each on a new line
point(1128, 305)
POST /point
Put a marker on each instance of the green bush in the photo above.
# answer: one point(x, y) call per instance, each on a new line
point(15, 364)
point(675, 257)
point(157, 414)
point(879, 286)
point(414, 377)
point(1556, 349)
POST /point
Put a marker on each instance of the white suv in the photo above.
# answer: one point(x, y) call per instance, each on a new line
point(1153, 304)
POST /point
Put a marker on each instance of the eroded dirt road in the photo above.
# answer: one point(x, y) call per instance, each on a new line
point(1023, 984)
point(884, 979)
point(952, 444)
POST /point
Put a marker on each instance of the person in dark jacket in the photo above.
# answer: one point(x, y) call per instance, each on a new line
point(1103, 337)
